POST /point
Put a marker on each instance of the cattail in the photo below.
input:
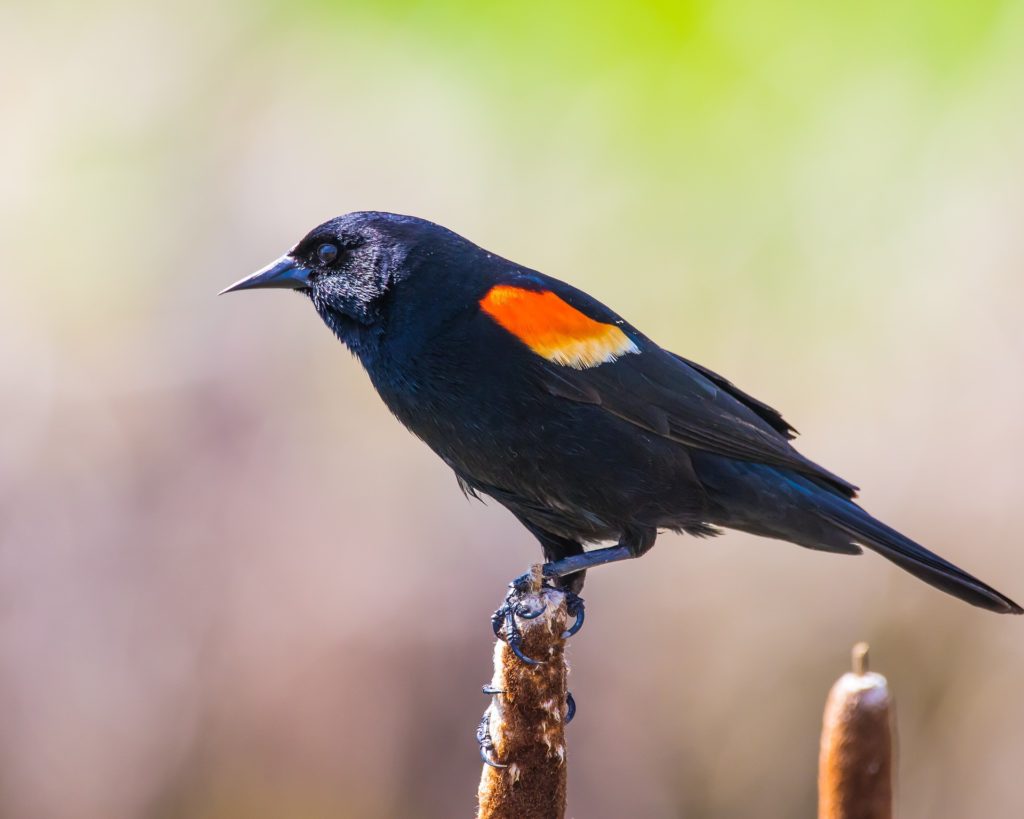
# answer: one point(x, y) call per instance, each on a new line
point(855, 768)
point(526, 719)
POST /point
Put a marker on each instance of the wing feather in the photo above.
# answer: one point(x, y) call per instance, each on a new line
point(665, 394)
point(671, 396)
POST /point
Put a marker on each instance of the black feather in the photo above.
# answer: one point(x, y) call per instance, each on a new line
point(616, 450)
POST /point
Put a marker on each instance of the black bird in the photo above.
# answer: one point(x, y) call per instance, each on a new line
point(542, 398)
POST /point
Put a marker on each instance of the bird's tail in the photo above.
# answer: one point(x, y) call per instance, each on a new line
point(777, 503)
point(914, 558)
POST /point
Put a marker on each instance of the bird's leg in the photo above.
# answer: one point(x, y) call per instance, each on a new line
point(587, 560)
point(569, 566)
point(553, 571)
point(574, 565)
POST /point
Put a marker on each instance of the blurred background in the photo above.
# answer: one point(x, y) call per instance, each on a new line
point(232, 586)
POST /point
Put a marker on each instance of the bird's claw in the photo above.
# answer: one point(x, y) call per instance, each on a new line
point(486, 743)
point(575, 607)
point(505, 617)
point(483, 730)
point(503, 621)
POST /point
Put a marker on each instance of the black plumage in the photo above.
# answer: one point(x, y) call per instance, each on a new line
point(542, 398)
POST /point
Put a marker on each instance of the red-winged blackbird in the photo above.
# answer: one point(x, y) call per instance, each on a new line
point(542, 398)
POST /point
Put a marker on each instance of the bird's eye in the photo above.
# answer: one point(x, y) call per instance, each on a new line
point(327, 252)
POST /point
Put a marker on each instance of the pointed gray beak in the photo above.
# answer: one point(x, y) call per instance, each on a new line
point(285, 272)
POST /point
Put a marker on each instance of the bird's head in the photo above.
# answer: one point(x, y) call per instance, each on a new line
point(348, 265)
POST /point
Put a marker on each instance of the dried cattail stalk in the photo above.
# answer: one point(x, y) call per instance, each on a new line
point(856, 764)
point(527, 721)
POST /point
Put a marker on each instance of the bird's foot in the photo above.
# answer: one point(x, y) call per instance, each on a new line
point(575, 607)
point(503, 621)
point(483, 731)
point(486, 743)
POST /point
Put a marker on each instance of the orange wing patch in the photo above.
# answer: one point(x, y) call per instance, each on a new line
point(554, 329)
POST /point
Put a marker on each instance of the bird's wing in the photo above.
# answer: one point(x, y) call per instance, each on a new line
point(586, 353)
point(768, 414)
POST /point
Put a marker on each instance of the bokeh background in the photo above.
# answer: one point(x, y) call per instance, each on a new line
point(232, 586)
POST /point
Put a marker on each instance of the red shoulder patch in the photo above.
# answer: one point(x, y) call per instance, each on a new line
point(554, 329)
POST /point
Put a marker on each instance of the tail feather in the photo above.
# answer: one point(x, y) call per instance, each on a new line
point(924, 564)
point(914, 558)
point(773, 502)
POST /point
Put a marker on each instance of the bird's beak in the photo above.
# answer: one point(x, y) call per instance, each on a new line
point(285, 272)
